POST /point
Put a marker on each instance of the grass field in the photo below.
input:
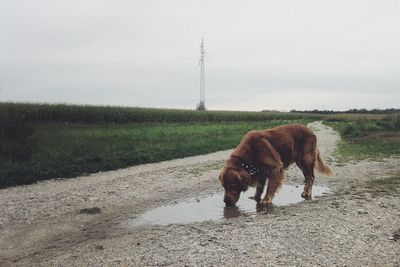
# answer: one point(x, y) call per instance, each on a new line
point(367, 136)
point(44, 141)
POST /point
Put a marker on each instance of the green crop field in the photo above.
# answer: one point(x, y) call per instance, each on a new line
point(41, 141)
point(47, 113)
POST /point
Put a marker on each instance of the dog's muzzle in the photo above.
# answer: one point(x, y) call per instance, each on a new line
point(230, 198)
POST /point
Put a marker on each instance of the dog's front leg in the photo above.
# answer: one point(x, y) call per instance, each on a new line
point(259, 191)
point(274, 182)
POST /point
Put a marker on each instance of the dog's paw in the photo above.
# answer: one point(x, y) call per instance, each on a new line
point(265, 207)
point(265, 202)
point(306, 195)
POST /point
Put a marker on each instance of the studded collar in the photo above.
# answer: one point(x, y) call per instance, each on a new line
point(250, 169)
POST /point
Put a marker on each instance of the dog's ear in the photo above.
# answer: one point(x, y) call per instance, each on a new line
point(221, 178)
point(221, 175)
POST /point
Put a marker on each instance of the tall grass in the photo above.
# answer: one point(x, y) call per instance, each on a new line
point(367, 136)
point(360, 125)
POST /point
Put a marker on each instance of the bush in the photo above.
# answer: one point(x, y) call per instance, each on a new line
point(385, 125)
point(394, 120)
point(370, 126)
point(350, 129)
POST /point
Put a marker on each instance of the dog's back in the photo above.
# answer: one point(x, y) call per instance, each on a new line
point(289, 141)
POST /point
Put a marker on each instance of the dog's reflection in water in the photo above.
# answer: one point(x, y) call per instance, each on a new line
point(232, 212)
point(235, 211)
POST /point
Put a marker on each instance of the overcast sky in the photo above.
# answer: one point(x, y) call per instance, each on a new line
point(299, 54)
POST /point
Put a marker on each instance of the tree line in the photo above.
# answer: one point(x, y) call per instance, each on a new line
point(350, 111)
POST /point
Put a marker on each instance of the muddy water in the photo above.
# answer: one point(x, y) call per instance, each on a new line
point(212, 207)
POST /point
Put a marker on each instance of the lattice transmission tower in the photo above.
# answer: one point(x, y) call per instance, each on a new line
point(202, 105)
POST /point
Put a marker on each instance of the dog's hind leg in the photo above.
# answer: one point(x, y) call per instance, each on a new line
point(275, 180)
point(307, 167)
point(306, 163)
point(307, 192)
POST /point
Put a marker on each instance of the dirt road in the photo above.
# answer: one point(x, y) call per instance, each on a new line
point(82, 221)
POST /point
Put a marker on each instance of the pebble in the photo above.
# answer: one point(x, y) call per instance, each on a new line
point(361, 211)
point(99, 247)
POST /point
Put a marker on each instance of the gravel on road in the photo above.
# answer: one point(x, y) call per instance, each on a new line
point(82, 221)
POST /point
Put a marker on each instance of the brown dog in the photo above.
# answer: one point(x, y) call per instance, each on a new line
point(264, 155)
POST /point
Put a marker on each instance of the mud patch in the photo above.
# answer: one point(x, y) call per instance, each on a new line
point(212, 207)
point(396, 235)
point(94, 210)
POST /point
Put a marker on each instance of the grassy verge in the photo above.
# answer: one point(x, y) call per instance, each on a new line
point(367, 136)
point(54, 150)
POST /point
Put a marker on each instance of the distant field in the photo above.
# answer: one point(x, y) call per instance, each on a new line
point(355, 117)
point(40, 141)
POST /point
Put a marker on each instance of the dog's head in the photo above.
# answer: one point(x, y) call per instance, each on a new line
point(234, 182)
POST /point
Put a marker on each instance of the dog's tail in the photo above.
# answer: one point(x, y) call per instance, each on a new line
point(320, 165)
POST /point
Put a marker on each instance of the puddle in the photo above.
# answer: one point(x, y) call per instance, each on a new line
point(212, 207)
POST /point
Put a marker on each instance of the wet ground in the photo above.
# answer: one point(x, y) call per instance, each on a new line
point(211, 207)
